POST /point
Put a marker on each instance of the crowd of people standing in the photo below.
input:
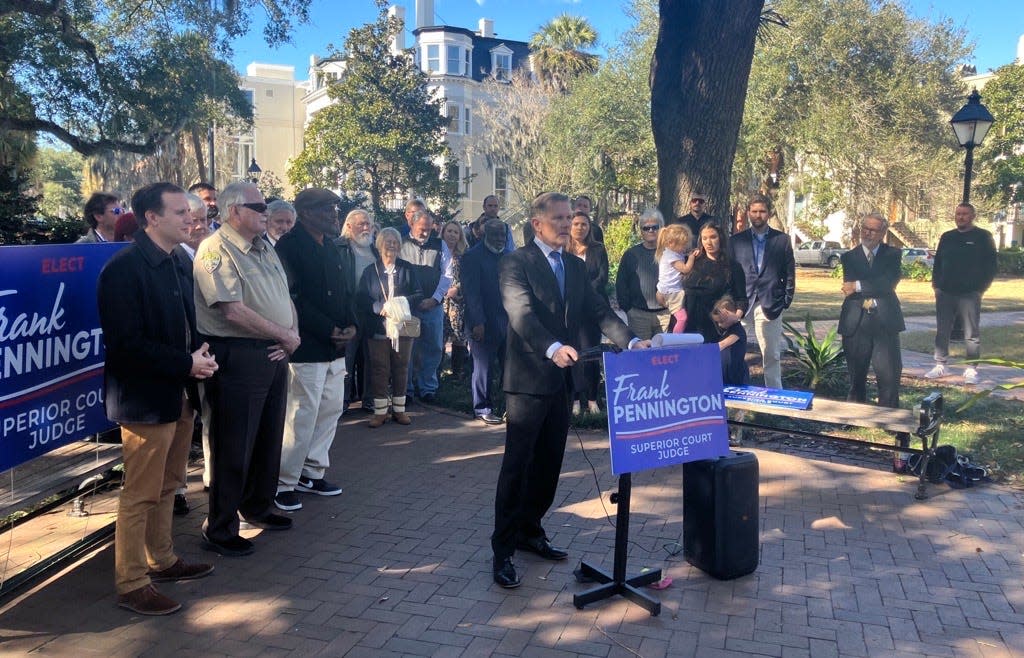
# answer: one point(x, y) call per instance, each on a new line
point(259, 322)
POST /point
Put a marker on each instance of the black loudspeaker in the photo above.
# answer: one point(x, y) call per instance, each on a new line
point(720, 517)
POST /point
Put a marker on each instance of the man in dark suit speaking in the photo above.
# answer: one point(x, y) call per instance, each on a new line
point(547, 295)
point(871, 320)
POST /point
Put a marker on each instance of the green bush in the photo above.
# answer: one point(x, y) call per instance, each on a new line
point(916, 271)
point(618, 237)
point(1010, 262)
point(820, 362)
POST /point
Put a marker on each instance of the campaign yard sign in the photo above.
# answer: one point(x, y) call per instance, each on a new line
point(665, 407)
point(51, 348)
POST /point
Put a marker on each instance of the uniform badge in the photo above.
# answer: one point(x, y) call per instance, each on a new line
point(211, 261)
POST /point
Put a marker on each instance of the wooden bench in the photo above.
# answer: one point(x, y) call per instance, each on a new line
point(904, 423)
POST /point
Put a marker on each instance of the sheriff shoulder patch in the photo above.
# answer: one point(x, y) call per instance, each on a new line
point(211, 261)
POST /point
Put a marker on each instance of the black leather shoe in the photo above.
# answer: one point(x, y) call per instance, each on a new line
point(181, 507)
point(233, 547)
point(489, 419)
point(505, 574)
point(270, 521)
point(542, 547)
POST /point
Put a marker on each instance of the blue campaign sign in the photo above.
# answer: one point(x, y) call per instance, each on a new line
point(770, 397)
point(665, 406)
point(51, 348)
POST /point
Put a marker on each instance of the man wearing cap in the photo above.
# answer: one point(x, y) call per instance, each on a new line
point(696, 218)
point(321, 289)
point(244, 311)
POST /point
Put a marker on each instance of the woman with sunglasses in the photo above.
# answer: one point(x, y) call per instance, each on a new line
point(636, 284)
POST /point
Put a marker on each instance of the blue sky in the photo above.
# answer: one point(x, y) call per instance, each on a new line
point(993, 25)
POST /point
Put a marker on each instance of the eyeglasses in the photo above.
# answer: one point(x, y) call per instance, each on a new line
point(698, 200)
point(118, 210)
point(868, 229)
point(649, 229)
point(255, 207)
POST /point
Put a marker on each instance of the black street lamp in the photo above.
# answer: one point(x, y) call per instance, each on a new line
point(254, 172)
point(971, 124)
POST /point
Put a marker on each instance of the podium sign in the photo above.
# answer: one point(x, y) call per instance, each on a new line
point(51, 348)
point(665, 407)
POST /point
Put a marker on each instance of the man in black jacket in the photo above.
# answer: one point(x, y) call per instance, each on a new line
point(152, 363)
point(636, 285)
point(965, 264)
point(547, 295)
point(321, 289)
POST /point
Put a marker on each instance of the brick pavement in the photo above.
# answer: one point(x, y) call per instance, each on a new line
point(851, 565)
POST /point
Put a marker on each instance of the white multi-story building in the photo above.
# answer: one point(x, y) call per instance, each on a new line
point(458, 61)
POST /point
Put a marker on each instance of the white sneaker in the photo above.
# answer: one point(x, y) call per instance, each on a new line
point(938, 371)
point(576, 408)
point(970, 376)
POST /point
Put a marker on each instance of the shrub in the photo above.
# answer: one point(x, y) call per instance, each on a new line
point(820, 362)
point(916, 271)
point(1010, 262)
point(618, 237)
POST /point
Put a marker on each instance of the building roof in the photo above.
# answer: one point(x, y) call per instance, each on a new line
point(480, 66)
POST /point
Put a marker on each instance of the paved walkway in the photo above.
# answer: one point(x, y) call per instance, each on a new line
point(915, 364)
point(851, 565)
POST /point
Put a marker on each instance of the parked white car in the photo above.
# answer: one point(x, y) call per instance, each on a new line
point(926, 256)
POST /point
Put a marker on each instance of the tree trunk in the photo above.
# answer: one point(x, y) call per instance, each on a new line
point(197, 146)
point(699, 76)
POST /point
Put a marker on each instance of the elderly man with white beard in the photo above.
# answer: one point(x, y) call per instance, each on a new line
point(356, 249)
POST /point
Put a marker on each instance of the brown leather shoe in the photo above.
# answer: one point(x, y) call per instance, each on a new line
point(181, 570)
point(378, 419)
point(401, 418)
point(147, 601)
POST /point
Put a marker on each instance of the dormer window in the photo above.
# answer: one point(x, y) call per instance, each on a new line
point(501, 63)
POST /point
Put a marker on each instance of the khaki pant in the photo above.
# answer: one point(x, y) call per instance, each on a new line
point(155, 458)
point(645, 324)
point(316, 398)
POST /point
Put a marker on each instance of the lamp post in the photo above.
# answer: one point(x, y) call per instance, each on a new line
point(254, 172)
point(971, 124)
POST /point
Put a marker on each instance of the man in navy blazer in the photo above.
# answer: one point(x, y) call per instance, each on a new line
point(766, 256)
point(485, 316)
point(871, 319)
point(547, 295)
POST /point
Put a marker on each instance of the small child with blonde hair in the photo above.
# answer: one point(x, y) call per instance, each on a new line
point(673, 262)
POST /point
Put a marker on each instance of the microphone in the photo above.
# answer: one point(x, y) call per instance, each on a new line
point(595, 353)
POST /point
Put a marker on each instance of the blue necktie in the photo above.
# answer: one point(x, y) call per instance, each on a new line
point(759, 252)
point(559, 268)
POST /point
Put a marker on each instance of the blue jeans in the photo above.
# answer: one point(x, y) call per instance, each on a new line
point(426, 352)
point(485, 353)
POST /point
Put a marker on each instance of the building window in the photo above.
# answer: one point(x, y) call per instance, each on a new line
point(434, 58)
point(454, 113)
point(465, 120)
point(469, 66)
point(501, 66)
point(270, 93)
point(454, 60)
point(250, 97)
point(501, 186)
point(452, 178)
point(466, 180)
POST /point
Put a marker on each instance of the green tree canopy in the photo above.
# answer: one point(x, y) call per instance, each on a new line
point(1000, 160)
point(104, 75)
point(559, 50)
point(383, 133)
point(855, 96)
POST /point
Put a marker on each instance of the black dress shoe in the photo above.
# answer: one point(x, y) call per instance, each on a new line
point(181, 507)
point(490, 419)
point(232, 547)
point(541, 547)
point(270, 521)
point(505, 574)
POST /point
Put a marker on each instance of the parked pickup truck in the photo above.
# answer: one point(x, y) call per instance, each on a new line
point(819, 253)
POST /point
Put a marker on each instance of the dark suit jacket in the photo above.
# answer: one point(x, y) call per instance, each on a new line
point(481, 294)
point(877, 281)
point(539, 317)
point(322, 291)
point(775, 284)
point(149, 329)
point(597, 269)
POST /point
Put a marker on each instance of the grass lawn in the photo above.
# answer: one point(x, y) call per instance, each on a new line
point(1002, 342)
point(818, 294)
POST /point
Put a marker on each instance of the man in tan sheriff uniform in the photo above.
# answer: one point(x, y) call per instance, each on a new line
point(243, 310)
